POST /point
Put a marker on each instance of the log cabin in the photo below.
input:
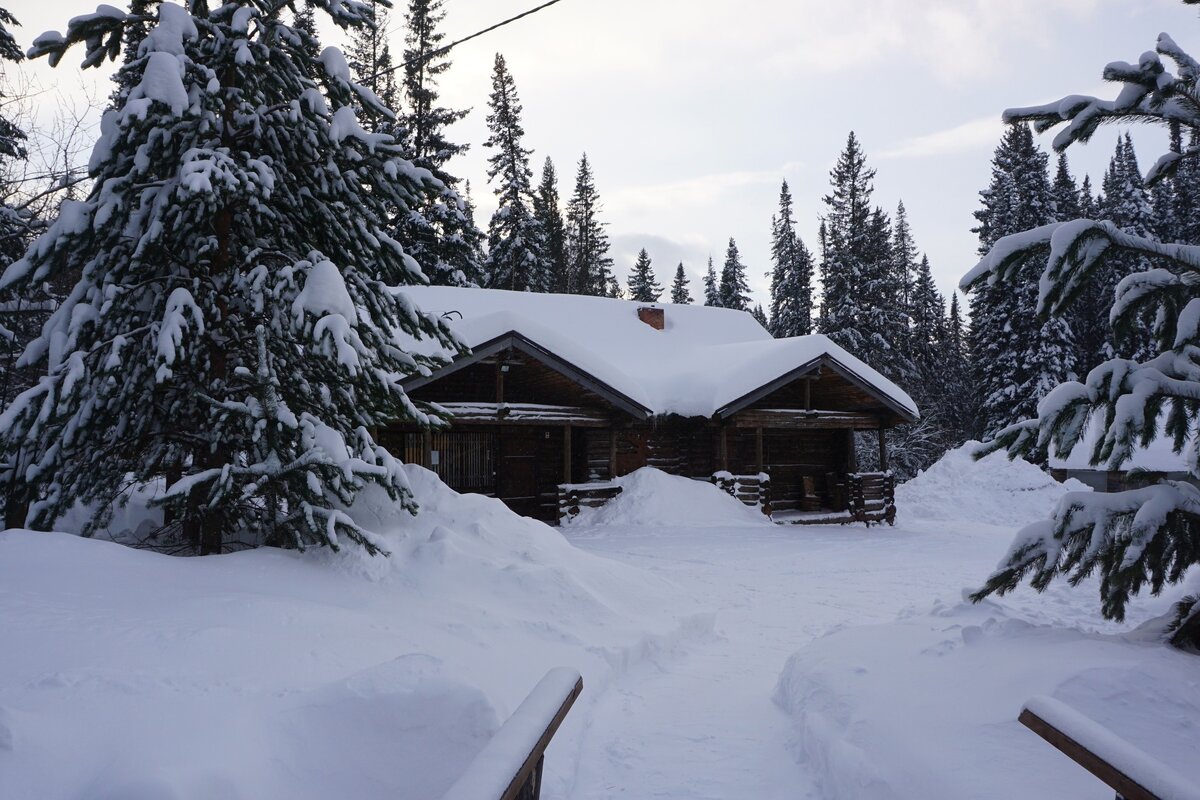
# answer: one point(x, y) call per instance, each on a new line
point(562, 393)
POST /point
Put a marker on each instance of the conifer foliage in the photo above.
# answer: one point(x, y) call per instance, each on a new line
point(554, 229)
point(233, 329)
point(516, 249)
point(643, 286)
point(733, 291)
point(680, 293)
point(1141, 539)
point(589, 264)
point(712, 294)
point(791, 274)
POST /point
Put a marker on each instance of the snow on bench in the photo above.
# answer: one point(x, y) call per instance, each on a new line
point(510, 765)
point(1133, 774)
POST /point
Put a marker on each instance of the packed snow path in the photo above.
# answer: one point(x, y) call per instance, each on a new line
point(697, 720)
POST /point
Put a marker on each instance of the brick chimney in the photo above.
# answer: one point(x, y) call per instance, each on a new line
point(653, 316)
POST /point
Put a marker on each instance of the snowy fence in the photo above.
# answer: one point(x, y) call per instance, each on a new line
point(573, 497)
point(753, 490)
point(871, 497)
point(510, 765)
point(1131, 773)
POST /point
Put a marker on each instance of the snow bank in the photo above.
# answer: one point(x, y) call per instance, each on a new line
point(650, 497)
point(992, 490)
point(927, 707)
point(274, 673)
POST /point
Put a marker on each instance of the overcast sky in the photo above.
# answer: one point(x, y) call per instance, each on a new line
point(693, 111)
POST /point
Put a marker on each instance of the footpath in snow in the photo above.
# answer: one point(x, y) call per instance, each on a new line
point(723, 657)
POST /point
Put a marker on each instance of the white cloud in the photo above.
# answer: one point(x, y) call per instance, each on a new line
point(976, 134)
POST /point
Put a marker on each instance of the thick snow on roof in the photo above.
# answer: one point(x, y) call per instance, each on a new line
point(705, 358)
point(1158, 456)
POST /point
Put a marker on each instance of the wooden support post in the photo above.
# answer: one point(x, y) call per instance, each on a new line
point(808, 394)
point(499, 381)
point(758, 449)
point(851, 453)
point(427, 450)
point(612, 453)
point(566, 454)
point(724, 448)
point(883, 453)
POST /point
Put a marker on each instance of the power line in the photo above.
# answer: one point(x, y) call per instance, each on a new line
point(447, 48)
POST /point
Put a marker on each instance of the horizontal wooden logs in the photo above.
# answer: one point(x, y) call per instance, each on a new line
point(789, 418)
point(524, 414)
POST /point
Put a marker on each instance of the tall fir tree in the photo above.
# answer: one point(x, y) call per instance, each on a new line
point(547, 211)
point(1066, 193)
point(733, 290)
point(371, 64)
point(712, 291)
point(760, 316)
point(590, 265)
point(680, 293)
point(844, 246)
point(516, 249)
point(791, 274)
point(904, 256)
point(233, 328)
point(1018, 357)
point(447, 246)
point(643, 286)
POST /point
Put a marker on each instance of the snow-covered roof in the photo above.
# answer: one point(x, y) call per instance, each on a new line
point(1158, 456)
point(704, 359)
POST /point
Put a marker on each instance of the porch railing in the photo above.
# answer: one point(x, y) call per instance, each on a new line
point(510, 765)
point(1128, 771)
point(871, 497)
point(574, 497)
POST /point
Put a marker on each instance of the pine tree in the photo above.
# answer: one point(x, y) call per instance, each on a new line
point(791, 275)
point(733, 290)
point(371, 64)
point(448, 246)
point(712, 293)
point(1018, 357)
point(680, 293)
point(1066, 193)
point(516, 254)
point(904, 256)
point(1141, 539)
point(547, 211)
point(643, 287)
point(587, 242)
point(1186, 178)
point(760, 316)
point(844, 247)
point(233, 329)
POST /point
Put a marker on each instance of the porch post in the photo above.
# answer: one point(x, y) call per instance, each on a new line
point(724, 448)
point(612, 454)
point(566, 454)
point(883, 453)
point(758, 449)
point(427, 450)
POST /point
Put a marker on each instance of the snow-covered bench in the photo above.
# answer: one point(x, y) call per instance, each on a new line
point(510, 765)
point(1131, 773)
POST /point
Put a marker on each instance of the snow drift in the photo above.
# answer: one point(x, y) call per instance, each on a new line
point(992, 490)
point(927, 706)
point(272, 673)
point(651, 497)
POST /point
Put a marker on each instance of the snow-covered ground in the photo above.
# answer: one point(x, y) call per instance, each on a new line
point(734, 660)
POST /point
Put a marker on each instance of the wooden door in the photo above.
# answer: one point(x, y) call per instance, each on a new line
point(516, 478)
point(631, 451)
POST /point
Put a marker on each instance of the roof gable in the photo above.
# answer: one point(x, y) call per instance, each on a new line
point(704, 361)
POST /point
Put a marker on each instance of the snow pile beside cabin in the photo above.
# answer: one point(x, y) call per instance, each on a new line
point(992, 490)
point(272, 673)
point(704, 359)
point(650, 497)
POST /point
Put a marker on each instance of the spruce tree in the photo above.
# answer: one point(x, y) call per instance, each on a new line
point(590, 265)
point(904, 257)
point(1066, 193)
point(235, 327)
point(447, 248)
point(760, 316)
point(844, 245)
point(547, 211)
point(712, 292)
point(643, 287)
point(371, 64)
point(680, 293)
point(516, 249)
point(1141, 539)
point(733, 290)
point(1127, 205)
point(791, 274)
point(1018, 357)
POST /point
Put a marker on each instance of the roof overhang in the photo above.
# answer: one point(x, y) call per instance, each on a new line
point(516, 341)
point(824, 361)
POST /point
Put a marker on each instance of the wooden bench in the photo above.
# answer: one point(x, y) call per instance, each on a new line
point(510, 765)
point(1131, 773)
